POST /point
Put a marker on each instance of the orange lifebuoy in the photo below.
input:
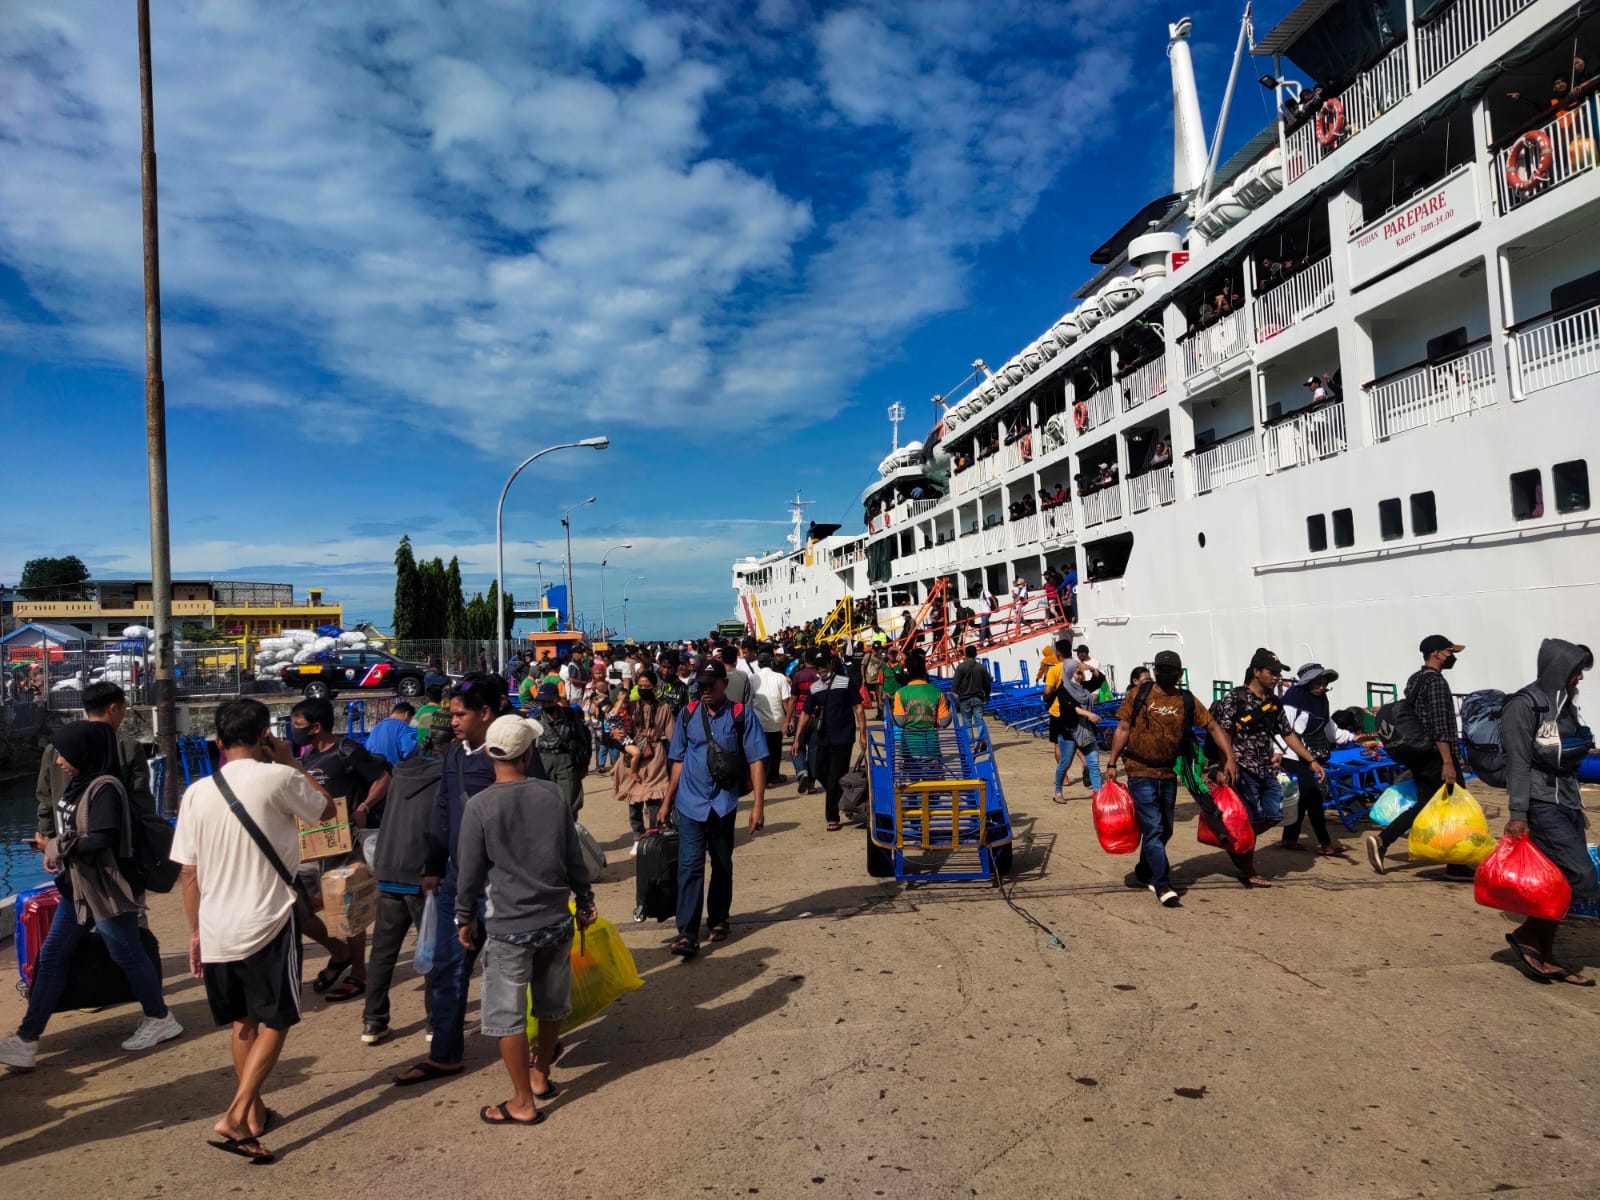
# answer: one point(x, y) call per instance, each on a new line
point(1080, 415)
point(1330, 121)
point(1528, 164)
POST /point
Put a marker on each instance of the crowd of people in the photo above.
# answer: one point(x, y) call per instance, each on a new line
point(685, 732)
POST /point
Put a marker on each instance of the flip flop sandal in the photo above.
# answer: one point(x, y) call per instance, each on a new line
point(247, 1148)
point(683, 948)
point(834, 826)
point(427, 1072)
point(347, 990)
point(719, 933)
point(325, 980)
point(1568, 975)
point(549, 1095)
point(1340, 851)
point(1524, 965)
point(505, 1117)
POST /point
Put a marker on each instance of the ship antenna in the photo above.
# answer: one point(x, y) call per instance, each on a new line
point(797, 511)
point(897, 413)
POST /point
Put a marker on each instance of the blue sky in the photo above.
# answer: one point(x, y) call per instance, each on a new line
point(405, 245)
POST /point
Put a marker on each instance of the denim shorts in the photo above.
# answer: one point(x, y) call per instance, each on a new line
point(509, 971)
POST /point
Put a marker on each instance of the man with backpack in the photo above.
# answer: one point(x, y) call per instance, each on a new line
point(347, 772)
point(1427, 696)
point(1155, 727)
point(835, 722)
point(1544, 743)
point(564, 745)
point(717, 752)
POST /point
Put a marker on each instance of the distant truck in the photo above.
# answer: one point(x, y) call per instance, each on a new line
point(731, 629)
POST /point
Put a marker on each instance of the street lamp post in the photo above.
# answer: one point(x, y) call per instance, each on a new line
point(603, 559)
point(566, 523)
point(597, 443)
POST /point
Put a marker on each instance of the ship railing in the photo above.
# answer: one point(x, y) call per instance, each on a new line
point(1572, 152)
point(1214, 345)
point(1430, 392)
point(915, 508)
point(947, 554)
point(987, 469)
point(1102, 506)
point(1024, 531)
point(1144, 383)
point(1307, 292)
point(1375, 91)
point(1225, 463)
point(1101, 406)
point(1556, 348)
point(1154, 487)
point(994, 539)
point(1018, 452)
point(963, 482)
point(1305, 437)
point(1055, 524)
point(1458, 29)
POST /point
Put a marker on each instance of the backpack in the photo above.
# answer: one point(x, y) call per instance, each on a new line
point(728, 768)
point(1186, 748)
point(1480, 730)
point(146, 843)
point(1401, 731)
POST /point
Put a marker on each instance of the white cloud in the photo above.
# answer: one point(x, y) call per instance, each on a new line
point(490, 210)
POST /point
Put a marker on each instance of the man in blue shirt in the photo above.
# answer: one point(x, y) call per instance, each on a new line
point(707, 809)
point(394, 738)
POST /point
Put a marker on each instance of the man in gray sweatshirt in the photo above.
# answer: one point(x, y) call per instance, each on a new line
point(519, 844)
point(1544, 742)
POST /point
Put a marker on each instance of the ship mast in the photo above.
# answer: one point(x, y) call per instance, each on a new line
point(797, 512)
point(897, 413)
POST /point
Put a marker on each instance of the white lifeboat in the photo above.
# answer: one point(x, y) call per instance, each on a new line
point(1087, 316)
point(1047, 348)
point(1032, 360)
point(1015, 371)
point(1117, 295)
point(1065, 331)
point(1262, 181)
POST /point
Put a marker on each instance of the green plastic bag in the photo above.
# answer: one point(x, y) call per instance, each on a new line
point(1452, 829)
point(602, 971)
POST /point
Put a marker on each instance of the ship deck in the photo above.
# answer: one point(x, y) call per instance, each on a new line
point(1341, 1035)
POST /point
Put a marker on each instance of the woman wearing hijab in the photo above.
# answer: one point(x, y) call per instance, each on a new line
point(643, 786)
point(1305, 709)
point(90, 856)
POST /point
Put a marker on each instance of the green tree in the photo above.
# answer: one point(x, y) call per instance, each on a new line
point(407, 592)
point(54, 578)
point(434, 606)
point(455, 604)
point(509, 606)
point(477, 619)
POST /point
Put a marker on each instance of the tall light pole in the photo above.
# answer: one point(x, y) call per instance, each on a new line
point(566, 523)
point(597, 443)
point(607, 555)
point(635, 579)
point(155, 431)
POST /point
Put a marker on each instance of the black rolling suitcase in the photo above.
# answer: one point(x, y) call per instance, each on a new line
point(655, 881)
point(94, 981)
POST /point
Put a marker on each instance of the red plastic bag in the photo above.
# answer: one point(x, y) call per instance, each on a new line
point(1518, 878)
point(1235, 818)
point(1114, 821)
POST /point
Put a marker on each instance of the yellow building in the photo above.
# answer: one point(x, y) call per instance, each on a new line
point(245, 612)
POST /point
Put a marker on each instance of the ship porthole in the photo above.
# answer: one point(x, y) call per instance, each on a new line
point(1202, 540)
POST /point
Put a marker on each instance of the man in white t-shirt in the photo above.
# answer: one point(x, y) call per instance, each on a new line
point(244, 941)
point(773, 700)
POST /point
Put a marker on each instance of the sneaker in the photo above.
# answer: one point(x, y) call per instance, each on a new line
point(19, 1053)
point(373, 1032)
point(1167, 896)
point(1375, 852)
point(638, 915)
point(152, 1032)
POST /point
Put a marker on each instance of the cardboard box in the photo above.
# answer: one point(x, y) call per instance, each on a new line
point(327, 839)
point(349, 900)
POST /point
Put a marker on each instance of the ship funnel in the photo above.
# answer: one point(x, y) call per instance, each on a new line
point(1188, 134)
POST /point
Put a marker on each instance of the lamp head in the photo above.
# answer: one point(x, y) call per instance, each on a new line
point(599, 443)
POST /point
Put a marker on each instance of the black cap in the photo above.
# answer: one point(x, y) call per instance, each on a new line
point(711, 669)
point(1265, 660)
point(1169, 659)
point(1436, 642)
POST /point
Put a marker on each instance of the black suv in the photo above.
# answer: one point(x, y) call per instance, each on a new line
point(355, 670)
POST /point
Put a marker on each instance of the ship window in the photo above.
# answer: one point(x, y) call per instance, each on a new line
point(1390, 523)
point(1344, 528)
point(1570, 481)
point(1527, 495)
point(1585, 290)
point(1317, 532)
point(1424, 514)
point(1447, 343)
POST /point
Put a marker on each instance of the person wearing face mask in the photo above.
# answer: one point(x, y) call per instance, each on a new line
point(1544, 742)
point(1430, 697)
point(643, 786)
point(1153, 726)
point(1305, 709)
point(564, 745)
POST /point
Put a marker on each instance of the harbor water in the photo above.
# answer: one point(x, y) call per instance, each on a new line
point(21, 866)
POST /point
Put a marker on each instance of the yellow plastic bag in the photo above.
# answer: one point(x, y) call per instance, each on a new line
point(602, 970)
point(1451, 828)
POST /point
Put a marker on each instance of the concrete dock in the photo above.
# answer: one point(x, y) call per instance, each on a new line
point(1340, 1035)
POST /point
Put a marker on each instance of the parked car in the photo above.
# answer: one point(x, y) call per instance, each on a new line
point(355, 670)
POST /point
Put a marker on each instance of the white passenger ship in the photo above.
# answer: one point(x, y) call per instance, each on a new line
point(1437, 202)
